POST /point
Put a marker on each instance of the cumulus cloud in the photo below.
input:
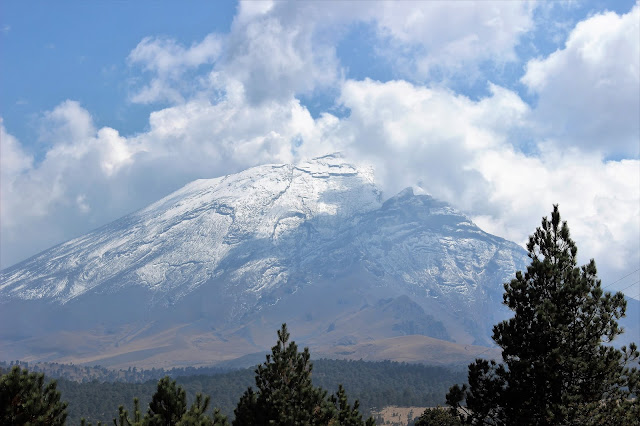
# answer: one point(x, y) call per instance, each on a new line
point(69, 191)
point(600, 200)
point(228, 135)
point(65, 123)
point(460, 151)
point(277, 60)
point(168, 61)
point(273, 50)
point(588, 91)
point(451, 37)
point(14, 162)
point(425, 135)
point(279, 50)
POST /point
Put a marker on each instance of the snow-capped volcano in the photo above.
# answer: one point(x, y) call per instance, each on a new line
point(223, 261)
point(180, 242)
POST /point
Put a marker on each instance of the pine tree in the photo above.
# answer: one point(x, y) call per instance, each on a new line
point(345, 414)
point(555, 367)
point(218, 418)
point(168, 404)
point(438, 417)
point(123, 415)
point(285, 395)
point(196, 415)
point(168, 407)
point(25, 399)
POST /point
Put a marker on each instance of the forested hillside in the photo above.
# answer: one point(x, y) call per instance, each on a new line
point(375, 384)
point(83, 373)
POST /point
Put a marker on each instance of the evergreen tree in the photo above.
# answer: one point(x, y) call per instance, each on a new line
point(196, 416)
point(555, 367)
point(438, 417)
point(168, 407)
point(25, 399)
point(123, 415)
point(168, 404)
point(285, 395)
point(347, 415)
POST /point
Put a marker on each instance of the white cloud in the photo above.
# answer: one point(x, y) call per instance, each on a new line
point(72, 189)
point(452, 37)
point(278, 50)
point(589, 91)
point(416, 134)
point(600, 200)
point(249, 10)
point(460, 151)
point(168, 61)
point(81, 201)
point(14, 162)
point(66, 123)
point(275, 53)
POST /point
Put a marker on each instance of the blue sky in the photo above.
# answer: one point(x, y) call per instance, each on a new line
point(78, 50)
point(499, 108)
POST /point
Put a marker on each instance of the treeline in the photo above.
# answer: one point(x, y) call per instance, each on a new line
point(83, 374)
point(375, 384)
point(285, 389)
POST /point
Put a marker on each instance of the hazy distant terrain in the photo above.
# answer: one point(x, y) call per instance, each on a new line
point(207, 274)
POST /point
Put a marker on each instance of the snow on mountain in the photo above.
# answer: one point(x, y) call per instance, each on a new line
point(219, 264)
point(177, 243)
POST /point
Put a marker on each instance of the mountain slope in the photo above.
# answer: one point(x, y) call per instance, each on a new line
point(207, 273)
point(174, 245)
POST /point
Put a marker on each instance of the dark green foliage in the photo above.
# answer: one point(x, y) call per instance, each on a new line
point(86, 374)
point(374, 384)
point(123, 416)
point(219, 419)
point(197, 413)
point(378, 384)
point(168, 404)
point(245, 413)
point(26, 400)
point(95, 401)
point(346, 415)
point(83, 422)
point(285, 394)
point(438, 417)
point(196, 416)
point(555, 368)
